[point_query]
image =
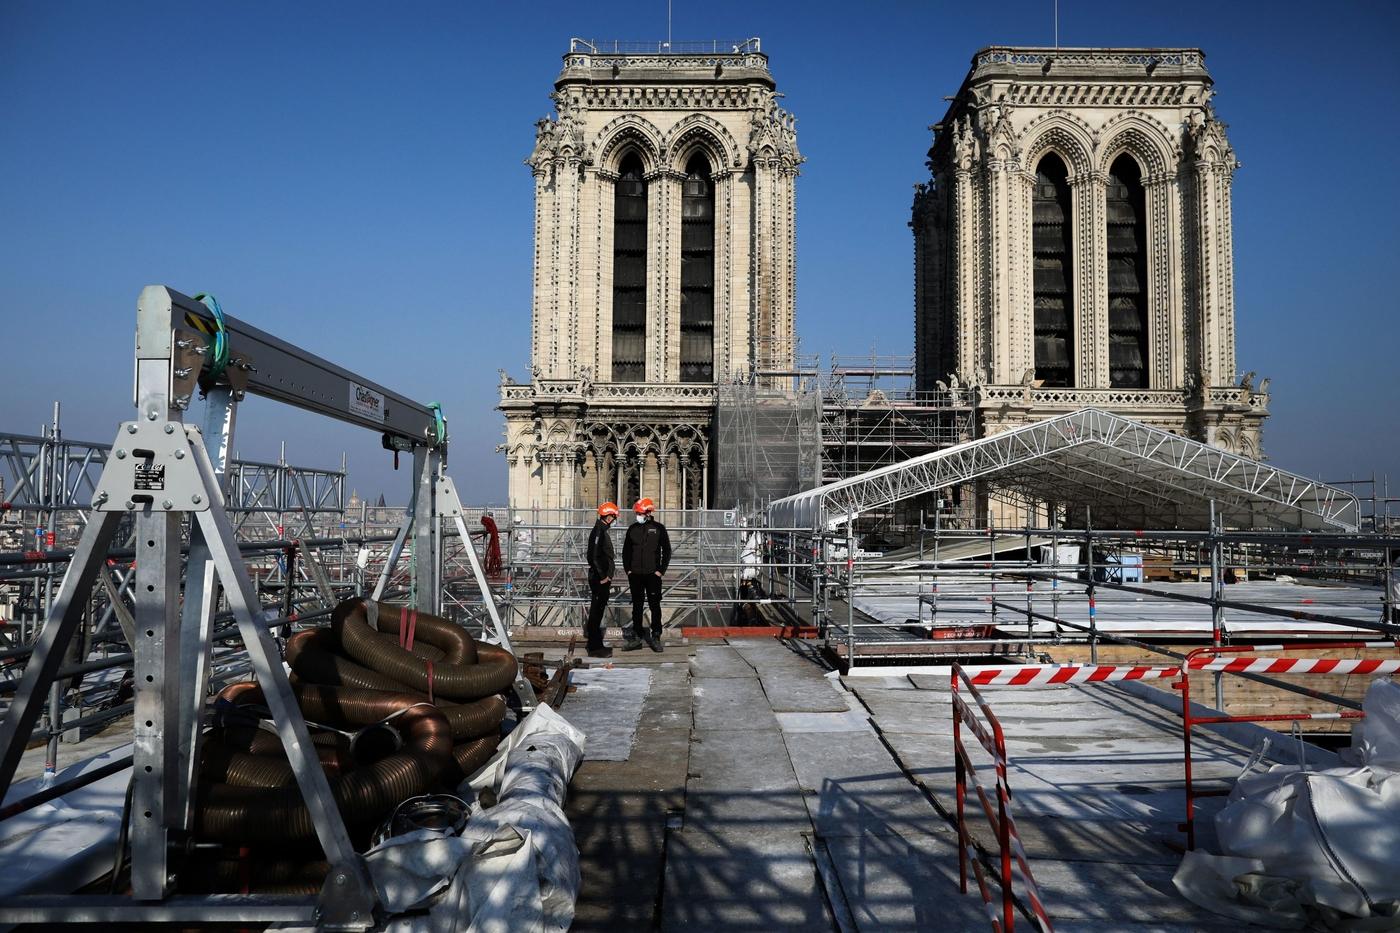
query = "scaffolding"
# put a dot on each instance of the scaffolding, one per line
(769, 444)
(873, 417)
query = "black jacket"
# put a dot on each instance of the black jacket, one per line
(601, 557)
(646, 548)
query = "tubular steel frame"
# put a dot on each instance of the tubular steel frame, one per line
(1133, 475)
(162, 470)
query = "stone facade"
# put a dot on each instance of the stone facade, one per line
(664, 264)
(1073, 246)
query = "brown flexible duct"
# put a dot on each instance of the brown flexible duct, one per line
(471, 755)
(456, 643)
(312, 658)
(222, 761)
(365, 795)
(495, 670)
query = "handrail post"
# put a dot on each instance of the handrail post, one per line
(1093, 617)
(1217, 612)
(961, 792)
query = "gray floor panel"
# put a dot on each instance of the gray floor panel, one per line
(732, 703)
(718, 661)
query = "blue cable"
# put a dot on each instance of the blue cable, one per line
(221, 352)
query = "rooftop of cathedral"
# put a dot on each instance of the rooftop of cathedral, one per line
(615, 60)
(1059, 63)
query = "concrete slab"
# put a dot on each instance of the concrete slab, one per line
(607, 706)
(735, 882)
(849, 721)
(732, 703)
(619, 811)
(854, 787)
(718, 661)
(794, 683)
(904, 882)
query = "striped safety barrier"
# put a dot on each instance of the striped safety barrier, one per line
(1032, 675)
(1011, 854)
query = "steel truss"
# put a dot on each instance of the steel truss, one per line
(1130, 474)
(160, 472)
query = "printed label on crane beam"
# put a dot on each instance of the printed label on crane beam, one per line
(366, 403)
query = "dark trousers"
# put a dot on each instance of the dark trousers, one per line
(646, 588)
(593, 628)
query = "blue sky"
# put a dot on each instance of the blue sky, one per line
(348, 176)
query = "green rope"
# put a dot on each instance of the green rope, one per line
(219, 351)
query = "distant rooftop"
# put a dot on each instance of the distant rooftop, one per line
(665, 47)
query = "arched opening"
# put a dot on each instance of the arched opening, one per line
(629, 305)
(1052, 245)
(1127, 276)
(697, 272)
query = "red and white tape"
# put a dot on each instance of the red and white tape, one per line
(1031, 675)
(1297, 665)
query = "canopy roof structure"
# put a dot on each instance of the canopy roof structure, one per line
(1130, 475)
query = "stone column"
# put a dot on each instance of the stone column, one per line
(541, 317)
(761, 285)
(597, 335)
(723, 328)
(1089, 205)
(1163, 282)
(964, 300)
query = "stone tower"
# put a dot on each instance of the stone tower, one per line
(1073, 247)
(663, 265)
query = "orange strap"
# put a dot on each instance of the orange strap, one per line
(430, 680)
(408, 622)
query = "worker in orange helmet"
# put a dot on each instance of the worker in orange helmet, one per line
(602, 566)
(646, 553)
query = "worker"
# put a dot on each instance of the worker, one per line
(601, 568)
(646, 553)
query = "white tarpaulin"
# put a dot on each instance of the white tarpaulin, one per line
(1313, 849)
(514, 868)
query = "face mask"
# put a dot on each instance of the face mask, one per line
(641, 518)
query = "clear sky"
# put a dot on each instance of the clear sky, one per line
(349, 176)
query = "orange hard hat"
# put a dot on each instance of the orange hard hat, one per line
(644, 505)
(608, 508)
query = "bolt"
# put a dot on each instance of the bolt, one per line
(196, 499)
(151, 416)
(354, 915)
(101, 498)
(131, 429)
(179, 455)
(130, 505)
(170, 429)
(340, 878)
(121, 453)
(167, 504)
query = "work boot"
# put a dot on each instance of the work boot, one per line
(631, 642)
(603, 651)
(654, 642)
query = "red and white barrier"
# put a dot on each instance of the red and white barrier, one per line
(1031, 675)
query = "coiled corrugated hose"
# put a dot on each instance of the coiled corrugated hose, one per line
(234, 813)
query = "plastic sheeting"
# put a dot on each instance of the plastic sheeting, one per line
(514, 868)
(1312, 849)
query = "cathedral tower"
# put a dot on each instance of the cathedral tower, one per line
(1073, 247)
(663, 265)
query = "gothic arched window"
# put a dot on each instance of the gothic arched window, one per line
(1054, 275)
(1127, 276)
(629, 306)
(697, 272)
